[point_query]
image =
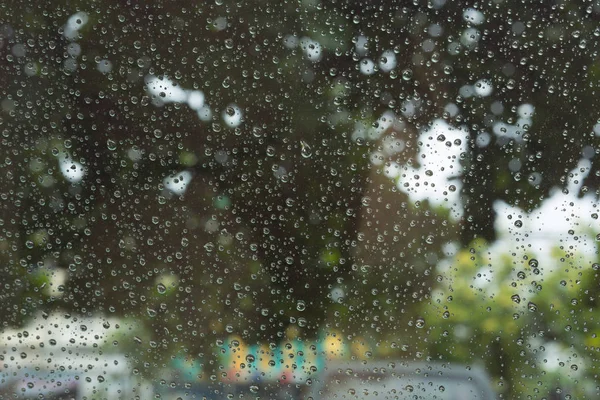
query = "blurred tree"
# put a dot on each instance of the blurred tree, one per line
(244, 204)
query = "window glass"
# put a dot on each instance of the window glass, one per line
(299, 199)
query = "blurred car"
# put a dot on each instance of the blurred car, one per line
(401, 380)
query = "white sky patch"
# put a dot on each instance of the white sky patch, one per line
(166, 90)
(470, 37)
(516, 131)
(178, 183)
(392, 170)
(134, 154)
(195, 99)
(483, 87)
(377, 158)
(436, 178)
(383, 123)
(361, 45)
(71, 170)
(74, 49)
(525, 110)
(312, 49)
(104, 66)
(220, 23)
(392, 145)
(290, 41)
(466, 91)
(549, 225)
(74, 24)
(409, 108)
(502, 129)
(562, 219)
(205, 113)
(387, 61)
(360, 131)
(367, 66)
(473, 16)
(232, 116)
(597, 129)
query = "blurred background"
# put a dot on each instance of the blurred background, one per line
(225, 196)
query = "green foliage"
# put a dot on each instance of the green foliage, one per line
(530, 323)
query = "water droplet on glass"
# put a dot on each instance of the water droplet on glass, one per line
(420, 323)
(306, 151)
(515, 298)
(162, 289)
(300, 305)
(111, 144)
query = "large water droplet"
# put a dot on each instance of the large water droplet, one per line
(305, 149)
(162, 289)
(300, 305)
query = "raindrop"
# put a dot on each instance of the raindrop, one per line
(162, 289)
(420, 323)
(300, 305)
(306, 151)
